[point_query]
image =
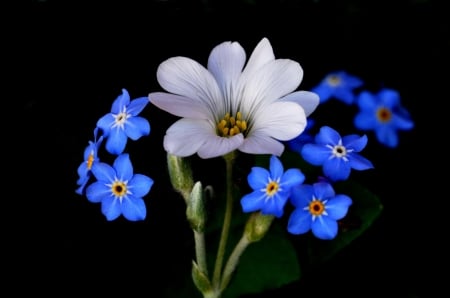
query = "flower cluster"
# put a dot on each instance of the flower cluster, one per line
(238, 106)
(117, 188)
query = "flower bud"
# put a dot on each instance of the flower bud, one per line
(257, 226)
(195, 211)
(180, 174)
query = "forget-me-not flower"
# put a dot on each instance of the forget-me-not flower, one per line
(383, 113)
(90, 157)
(123, 122)
(227, 106)
(317, 208)
(338, 155)
(339, 85)
(119, 190)
(271, 189)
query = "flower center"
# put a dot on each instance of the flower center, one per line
(121, 118)
(90, 160)
(384, 114)
(272, 188)
(339, 151)
(230, 126)
(119, 189)
(316, 207)
(334, 80)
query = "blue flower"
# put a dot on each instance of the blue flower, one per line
(383, 114)
(317, 208)
(338, 84)
(90, 157)
(118, 190)
(305, 137)
(337, 155)
(271, 190)
(123, 122)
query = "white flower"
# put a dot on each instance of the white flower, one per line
(227, 107)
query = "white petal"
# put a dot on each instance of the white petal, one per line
(261, 55)
(308, 100)
(273, 81)
(217, 146)
(282, 120)
(226, 62)
(261, 144)
(186, 77)
(179, 105)
(186, 136)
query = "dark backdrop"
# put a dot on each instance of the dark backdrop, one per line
(70, 60)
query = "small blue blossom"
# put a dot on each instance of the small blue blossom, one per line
(123, 122)
(90, 157)
(338, 84)
(119, 190)
(317, 208)
(271, 189)
(383, 114)
(337, 155)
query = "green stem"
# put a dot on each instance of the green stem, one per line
(233, 261)
(200, 251)
(229, 159)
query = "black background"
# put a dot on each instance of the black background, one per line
(70, 59)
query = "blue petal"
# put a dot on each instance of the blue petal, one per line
(137, 127)
(336, 169)
(291, 178)
(111, 207)
(103, 172)
(401, 122)
(359, 162)
(324, 228)
(299, 222)
(123, 167)
(275, 204)
(355, 142)
(121, 101)
(253, 201)
(98, 192)
(315, 154)
(327, 136)
(301, 195)
(140, 185)
(258, 178)
(323, 190)
(345, 95)
(137, 105)
(366, 120)
(133, 208)
(387, 136)
(116, 142)
(367, 102)
(389, 98)
(105, 123)
(276, 167)
(337, 207)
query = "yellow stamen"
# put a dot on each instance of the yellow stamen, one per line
(119, 189)
(272, 188)
(230, 126)
(316, 207)
(90, 160)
